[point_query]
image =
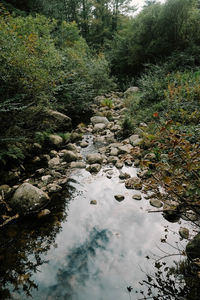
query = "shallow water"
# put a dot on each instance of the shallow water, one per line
(100, 249)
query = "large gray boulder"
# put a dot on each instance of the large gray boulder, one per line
(99, 119)
(60, 121)
(28, 199)
(130, 91)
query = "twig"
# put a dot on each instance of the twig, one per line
(9, 220)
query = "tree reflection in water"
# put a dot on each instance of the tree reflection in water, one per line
(76, 271)
(21, 247)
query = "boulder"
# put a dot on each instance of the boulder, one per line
(125, 149)
(71, 147)
(184, 232)
(99, 119)
(94, 168)
(124, 175)
(135, 140)
(99, 127)
(130, 91)
(193, 247)
(54, 162)
(113, 159)
(133, 183)
(94, 158)
(137, 197)
(119, 198)
(114, 151)
(70, 156)
(77, 164)
(156, 203)
(28, 199)
(46, 178)
(55, 140)
(84, 144)
(60, 121)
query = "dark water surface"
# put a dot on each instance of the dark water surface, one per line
(89, 252)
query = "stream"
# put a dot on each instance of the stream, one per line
(96, 250)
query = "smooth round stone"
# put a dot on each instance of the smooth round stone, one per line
(156, 203)
(137, 197)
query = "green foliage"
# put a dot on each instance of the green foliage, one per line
(156, 32)
(44, 63)
(107, 103)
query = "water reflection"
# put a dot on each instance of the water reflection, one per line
(99, 249)
(21, 247)
(76, 271)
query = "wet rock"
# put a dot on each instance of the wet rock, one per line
(75, 137)
(137, 197)
(46, 178)
(128, 162)
(70, 156)
(156, 203)
(99, 140)
(112, 159)
(125, 149)
(94, 168)
(54, 162)
(55, 140)
(53, 153)
(133, 183)
(124, 176)
(135, 140)
(115, 128)
(54, 188)
(184, 233)
(114, 151)
(77, 165)
(28, 198)
(94, 158)
(71, 147)
(99, 127)
(193, 247)
(84, 144)
(119, 198)
(119, 165)
(93, 202)
(99, 119)
(43, 213)
(130, 91)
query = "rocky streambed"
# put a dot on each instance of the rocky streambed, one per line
(88, 216)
